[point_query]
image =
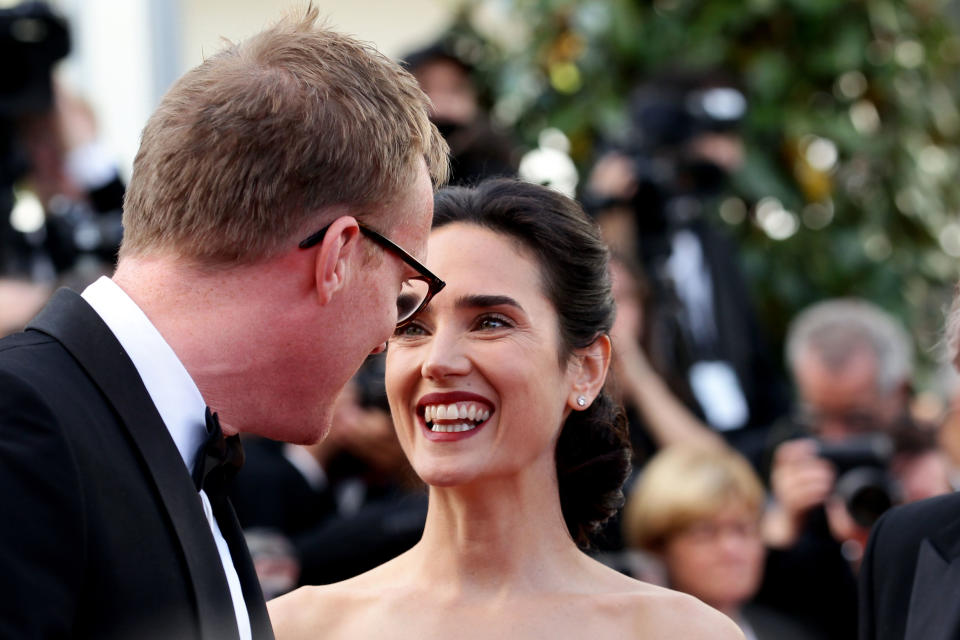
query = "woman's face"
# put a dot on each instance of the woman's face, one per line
(475, 384)
(719, 559)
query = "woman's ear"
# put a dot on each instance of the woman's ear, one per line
(591, 364)
(332, 262)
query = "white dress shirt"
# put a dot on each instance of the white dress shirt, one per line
(176, 397)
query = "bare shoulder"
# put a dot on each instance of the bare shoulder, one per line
(664, 613)
(645, 610)
(315, 612)
(304, 613)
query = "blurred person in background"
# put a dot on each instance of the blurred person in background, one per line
(254, 277)
(658, 418)
(698, 512)
(76, 195)
(478, 149)
(852, 450)
(60, 192)
(652, 193)
(910, 573)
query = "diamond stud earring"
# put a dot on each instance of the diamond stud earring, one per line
(581, 401)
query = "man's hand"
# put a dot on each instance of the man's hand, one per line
(800, 481)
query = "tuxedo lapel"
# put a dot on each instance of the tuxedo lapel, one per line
(252, 594)
(934, 613)
(69, 319)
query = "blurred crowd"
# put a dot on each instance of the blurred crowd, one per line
(752, 489)
(61, 192)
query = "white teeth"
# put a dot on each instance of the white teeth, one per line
(462, 411)
(452, 428)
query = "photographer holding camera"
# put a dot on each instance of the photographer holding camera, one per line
(652, 195)
(850, 453)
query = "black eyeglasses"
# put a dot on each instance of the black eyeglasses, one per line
(415, 293)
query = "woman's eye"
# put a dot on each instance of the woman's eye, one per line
(493, 322)
(412, 330)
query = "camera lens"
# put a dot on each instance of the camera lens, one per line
(867, 493)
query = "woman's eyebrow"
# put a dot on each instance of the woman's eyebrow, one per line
(483, 301)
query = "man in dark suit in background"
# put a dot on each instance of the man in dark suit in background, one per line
(227, 301)
(910, 575)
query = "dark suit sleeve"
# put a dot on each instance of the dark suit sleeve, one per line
(41, 527)
(866, 595)
(890, 562)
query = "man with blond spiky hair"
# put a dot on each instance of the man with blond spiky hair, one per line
(275, 228)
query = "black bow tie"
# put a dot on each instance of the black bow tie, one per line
(218, 459)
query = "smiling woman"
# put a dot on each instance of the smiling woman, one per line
(529, 267)
(496, 390)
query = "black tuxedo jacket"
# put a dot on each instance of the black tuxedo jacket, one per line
(102, 533)
(910, 577)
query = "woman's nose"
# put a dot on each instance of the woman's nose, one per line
(445, 357)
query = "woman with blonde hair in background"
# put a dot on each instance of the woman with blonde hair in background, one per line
(697, 510)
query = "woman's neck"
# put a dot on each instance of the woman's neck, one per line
(498, 535)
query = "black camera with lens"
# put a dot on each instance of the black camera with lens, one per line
(864, 482)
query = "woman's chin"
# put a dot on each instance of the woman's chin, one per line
(443, 476)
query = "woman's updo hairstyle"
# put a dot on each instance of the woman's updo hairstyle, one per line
(593, 451)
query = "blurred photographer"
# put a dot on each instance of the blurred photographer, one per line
(851, 452)
(852, 365)
(652, 195)
(478, 148)
(60, 193)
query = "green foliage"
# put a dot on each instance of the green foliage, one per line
(875, 81)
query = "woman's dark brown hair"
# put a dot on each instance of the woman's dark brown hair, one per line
(593, 451)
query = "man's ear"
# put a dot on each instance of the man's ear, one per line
(332, 263)
(590, 373)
